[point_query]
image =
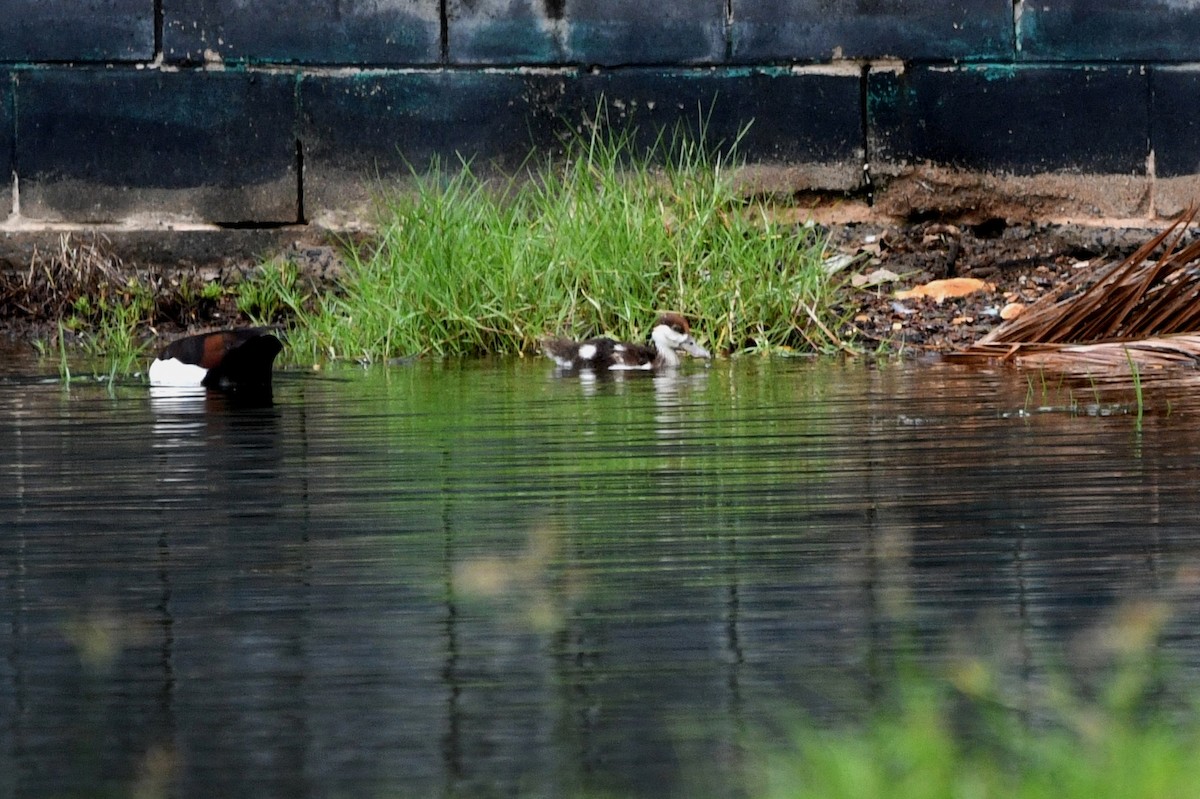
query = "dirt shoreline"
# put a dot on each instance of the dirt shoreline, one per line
(1017, 265)
(1017, 262)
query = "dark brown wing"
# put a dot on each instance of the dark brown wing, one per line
(208, 350)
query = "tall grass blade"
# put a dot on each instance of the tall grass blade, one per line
(592, 242)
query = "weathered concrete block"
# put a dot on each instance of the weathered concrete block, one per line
(217, 251)
(356, 129)
(974, 196)
(77, 30)
(636, 32)
(1175, 137)
(604, 32)
(1175, 121)
(360, 129)
(1107, 30)
(808, 30)
(505, 32)
(7, 120)
(359, 32)
(1025, 120)
(97, 145)
(807, 121)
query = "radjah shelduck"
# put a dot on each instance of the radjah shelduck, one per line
(670, 336)
(238, 360)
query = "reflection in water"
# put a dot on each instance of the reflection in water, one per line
(486, 579)
(179, 414)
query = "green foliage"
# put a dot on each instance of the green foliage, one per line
(918, 754)
(594, 242)
(966, 736)
(1136, 376)
(273, 293)
(107, 327)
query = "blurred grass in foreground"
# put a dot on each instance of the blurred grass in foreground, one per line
(1126, 732)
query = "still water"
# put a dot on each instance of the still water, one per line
(483, 579)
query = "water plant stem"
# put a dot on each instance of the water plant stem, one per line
(1136, 376)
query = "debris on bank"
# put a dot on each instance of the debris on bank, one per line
(75, 281)
(975, 291)
(1142, 313)
(937, 287)
(918, 287)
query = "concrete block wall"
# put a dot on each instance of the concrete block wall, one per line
(283, 112)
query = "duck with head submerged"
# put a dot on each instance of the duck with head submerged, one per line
(670, 335)
(235, 361)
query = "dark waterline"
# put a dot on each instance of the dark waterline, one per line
(484, 580)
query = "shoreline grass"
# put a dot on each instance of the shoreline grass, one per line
(592, 243)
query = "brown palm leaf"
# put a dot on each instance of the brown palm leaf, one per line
(1115, 358)
(1139, 311)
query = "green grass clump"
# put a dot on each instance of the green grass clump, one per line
(590, 243)
(918, 754)
(108, 326)
(274, 293)
(1129, 731)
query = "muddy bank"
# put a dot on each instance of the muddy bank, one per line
(180, 280)
(1017, 263)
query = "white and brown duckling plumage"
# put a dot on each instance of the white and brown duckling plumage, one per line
(670, 335)
(229, 360)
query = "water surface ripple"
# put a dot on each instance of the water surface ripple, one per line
(486, 580)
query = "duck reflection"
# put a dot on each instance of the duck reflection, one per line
(180, 411)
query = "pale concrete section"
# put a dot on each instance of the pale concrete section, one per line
(1173, 196)
(349, 199)
(972, 196)
(218, 250)
(797, 178)
(607, 32)
(51, 201)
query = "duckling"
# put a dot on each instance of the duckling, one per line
(671, 334)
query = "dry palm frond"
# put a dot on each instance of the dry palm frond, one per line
(1140, 311)
(1114, 357)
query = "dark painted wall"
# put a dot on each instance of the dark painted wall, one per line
(282, 110)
